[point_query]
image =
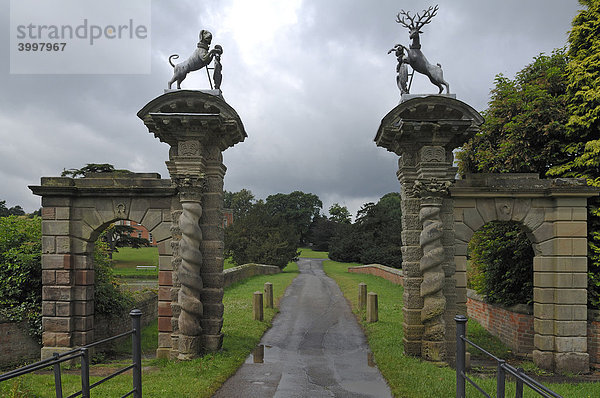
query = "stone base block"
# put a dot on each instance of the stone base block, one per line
(562, 362)
(544, 359)
(163, 352)
(190, 347)
(212, 342)
(412, 347)
(572, 362)
(433, 351)
(47, 352)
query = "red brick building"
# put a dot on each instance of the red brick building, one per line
(140, 231)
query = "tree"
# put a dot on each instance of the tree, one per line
(525, 123)
(239, 202)
(583, 79)
(13, 211)
(261, 237)
(339, 214)
(375, 237)
(297, 209)
(321, 231)
(577, 121)
(89, 168)
(120, 236)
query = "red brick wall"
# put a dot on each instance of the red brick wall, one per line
(512, 328)
(391, 274)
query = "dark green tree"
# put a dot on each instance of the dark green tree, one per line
(13, 211)
(239, 202)
(375, 236)
(339, 214)
(120, 236)
(89, 168)
(298, 209)
(525, 123)
(321, 231)
(583, 88)
(261, 237)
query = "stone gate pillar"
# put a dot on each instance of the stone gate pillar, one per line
(424, 131)
(198, 126)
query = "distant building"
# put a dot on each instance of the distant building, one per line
(140, 231)
(227, 217)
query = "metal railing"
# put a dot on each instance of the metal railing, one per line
(84, 354)
(502, 369)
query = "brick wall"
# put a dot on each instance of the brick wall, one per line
(513, 326)
(391, 274)
(16, 346)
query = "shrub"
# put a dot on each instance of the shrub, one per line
(108, 298)
(501, 259)
(21, 274)
(21, 270)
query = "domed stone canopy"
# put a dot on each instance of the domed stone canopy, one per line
(191, 114)
(434, 119)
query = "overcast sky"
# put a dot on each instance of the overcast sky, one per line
(310, 79)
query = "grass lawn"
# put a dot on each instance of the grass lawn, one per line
(127, 259)
(310, 253)
(197, 378)
(408, 376)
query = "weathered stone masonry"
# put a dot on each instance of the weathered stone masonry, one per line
(440, 216)
(198, 126)
(424, 132)
(183, 214)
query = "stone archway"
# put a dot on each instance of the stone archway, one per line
(184, 214)
(440, 214)
(75, 211)
(554, 214)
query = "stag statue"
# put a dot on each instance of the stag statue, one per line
(414, 57)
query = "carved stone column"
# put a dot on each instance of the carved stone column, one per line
(424, 131)
(198, 126)
(212, 249)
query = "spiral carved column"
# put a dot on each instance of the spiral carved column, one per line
(190, 329)
(434, 301)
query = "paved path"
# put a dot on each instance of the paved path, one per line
(314, 349)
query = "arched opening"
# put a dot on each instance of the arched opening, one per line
(500, 283)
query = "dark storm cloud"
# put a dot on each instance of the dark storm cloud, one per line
(310, 79)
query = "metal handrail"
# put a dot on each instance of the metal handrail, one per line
(502, 369)
(83, 353)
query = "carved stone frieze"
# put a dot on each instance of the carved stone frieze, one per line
(433, 154)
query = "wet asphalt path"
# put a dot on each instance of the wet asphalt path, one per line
(314, 349)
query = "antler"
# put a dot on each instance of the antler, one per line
(422, 20)
(426, 17)
(403, 20)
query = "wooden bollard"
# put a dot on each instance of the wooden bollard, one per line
(268, 295)
(257, 307)
(372, 308)
(362, 295)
